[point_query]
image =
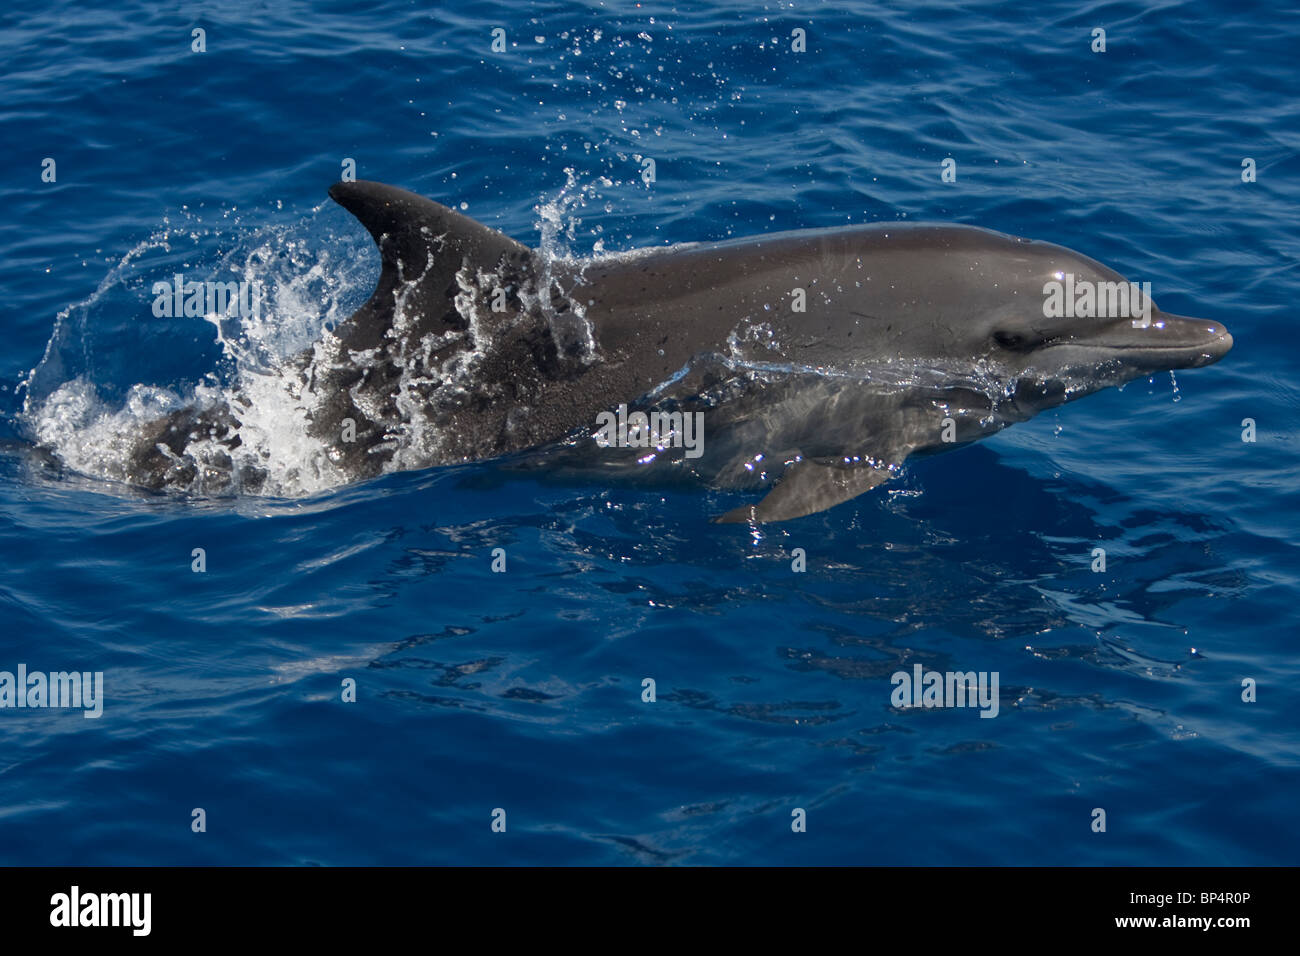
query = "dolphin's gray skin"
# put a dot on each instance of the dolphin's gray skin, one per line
(915, 338)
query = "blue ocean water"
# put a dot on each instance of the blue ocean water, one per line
(522, 691)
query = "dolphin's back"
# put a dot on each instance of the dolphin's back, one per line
(826, 297)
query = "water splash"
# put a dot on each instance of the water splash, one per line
(76, 402)
(70, 401)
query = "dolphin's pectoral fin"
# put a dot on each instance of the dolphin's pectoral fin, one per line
(807, 488)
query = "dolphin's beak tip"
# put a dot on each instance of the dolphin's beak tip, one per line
(1219, 345)
(1222, 346)
(1204, 340)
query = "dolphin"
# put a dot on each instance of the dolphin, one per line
(817, 360)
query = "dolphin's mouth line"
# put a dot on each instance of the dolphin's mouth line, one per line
(1157, 349)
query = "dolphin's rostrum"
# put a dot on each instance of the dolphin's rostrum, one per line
(819, 360)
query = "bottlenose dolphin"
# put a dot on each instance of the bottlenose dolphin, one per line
(819, 360)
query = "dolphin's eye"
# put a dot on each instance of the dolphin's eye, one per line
(1012, 341)
(1022, 341)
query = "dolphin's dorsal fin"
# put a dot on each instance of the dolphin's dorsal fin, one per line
(423, 245)
(806, 488)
